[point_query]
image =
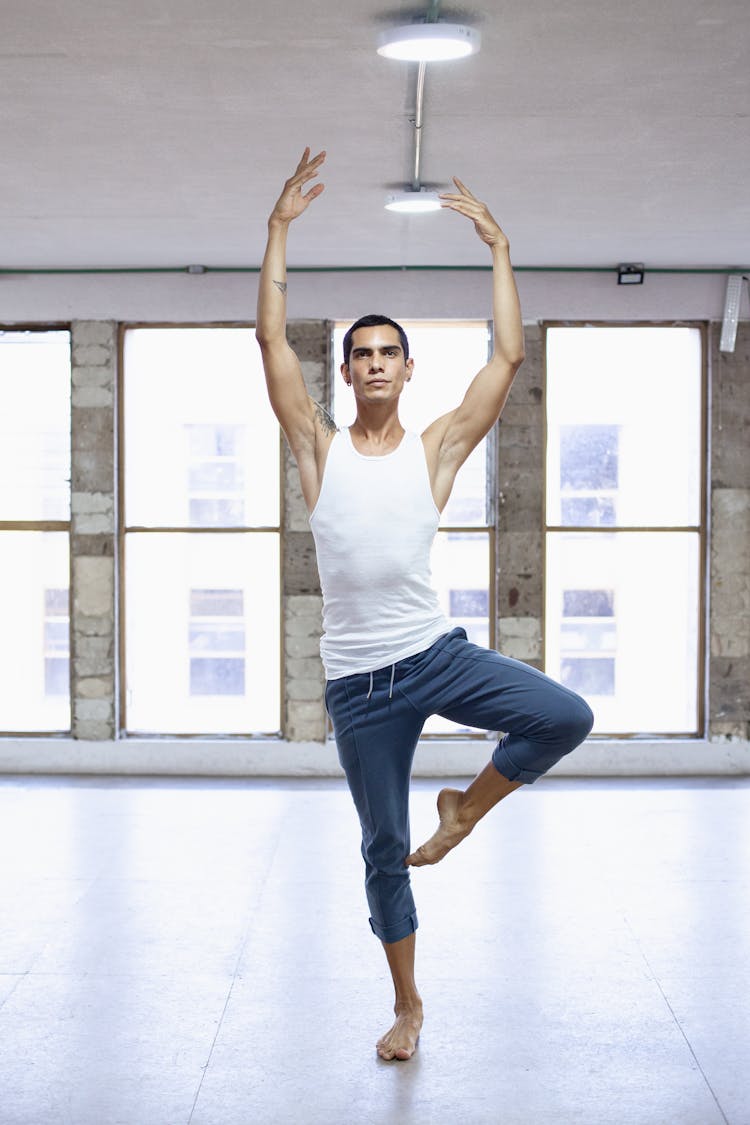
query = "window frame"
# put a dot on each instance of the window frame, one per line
(51, 525)
(124, 529)
(700, 528)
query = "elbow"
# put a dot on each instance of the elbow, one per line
(517, 353)
(265, 338)
(511, 359)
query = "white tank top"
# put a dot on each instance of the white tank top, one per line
(373, 525)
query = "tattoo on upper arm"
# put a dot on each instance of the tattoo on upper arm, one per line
(281, 286)
(325, 419)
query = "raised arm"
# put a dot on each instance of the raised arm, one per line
(456, 434)
(295, 410)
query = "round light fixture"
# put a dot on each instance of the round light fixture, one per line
(429, 42)
(413, 202)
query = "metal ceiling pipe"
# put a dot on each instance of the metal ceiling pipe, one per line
(416, 181)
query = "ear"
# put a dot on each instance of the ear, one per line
(409, 365)
(345, 373)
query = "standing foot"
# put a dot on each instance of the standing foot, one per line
(400, 1042)
(451, 830)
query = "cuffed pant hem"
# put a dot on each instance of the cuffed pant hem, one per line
(397, 931)
(510, 770)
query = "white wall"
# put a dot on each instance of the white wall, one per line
(420, 294)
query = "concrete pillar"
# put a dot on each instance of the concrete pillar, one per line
(304, 715)
(520, 484)
(92, 627)
(729, 620)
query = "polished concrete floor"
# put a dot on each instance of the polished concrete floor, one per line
(197, 953)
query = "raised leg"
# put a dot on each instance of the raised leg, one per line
(459, 811)
(543, 721)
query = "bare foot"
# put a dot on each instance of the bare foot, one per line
(401, 1041)
(451, 830)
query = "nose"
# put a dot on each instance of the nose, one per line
(375, 364)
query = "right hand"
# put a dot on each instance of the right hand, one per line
(291, 203)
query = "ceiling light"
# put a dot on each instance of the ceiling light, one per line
(413, 202)
(732, 302)
(429, 42)
(630, 273)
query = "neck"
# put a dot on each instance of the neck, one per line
(377, 426)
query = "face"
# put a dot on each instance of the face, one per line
(376, 369)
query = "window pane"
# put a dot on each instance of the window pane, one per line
(202, 633)
(199, 431)
(623, 418)
(447, 355)
(461, 576)
(34, 425)
(622, 627)
(34, 641)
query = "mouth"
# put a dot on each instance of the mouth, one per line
(377, 383)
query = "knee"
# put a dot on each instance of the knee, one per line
(576, 721)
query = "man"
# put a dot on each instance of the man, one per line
(375, 494)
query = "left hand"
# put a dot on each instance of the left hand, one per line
(467, 204)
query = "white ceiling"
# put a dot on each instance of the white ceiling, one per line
(158, 132)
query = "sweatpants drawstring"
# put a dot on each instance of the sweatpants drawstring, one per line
(372, 682)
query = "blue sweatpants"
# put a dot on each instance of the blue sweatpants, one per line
(377, 720)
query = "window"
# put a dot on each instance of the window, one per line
(201, 534)
(35, 382)
(625, 524)
(447, 355)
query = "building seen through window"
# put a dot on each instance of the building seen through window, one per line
(56, 642)
(216, 478)
(588, 642)
(588, 475)
(216, 642)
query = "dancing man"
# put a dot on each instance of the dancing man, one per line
(375, 493)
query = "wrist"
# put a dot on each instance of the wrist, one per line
(277, 224)
(500, 247)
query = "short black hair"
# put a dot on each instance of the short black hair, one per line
(371, 321)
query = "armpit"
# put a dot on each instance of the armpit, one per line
(324, 418)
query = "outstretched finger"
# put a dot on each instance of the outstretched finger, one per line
(463, 188)
(464, 199)
(303, 158)
(306, 162)
(314, 192)
(470, 208)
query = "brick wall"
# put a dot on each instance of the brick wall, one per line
(729, 618)
(304, 717)
(92, 626)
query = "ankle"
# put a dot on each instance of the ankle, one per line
(467, 815)
(408, 1005)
